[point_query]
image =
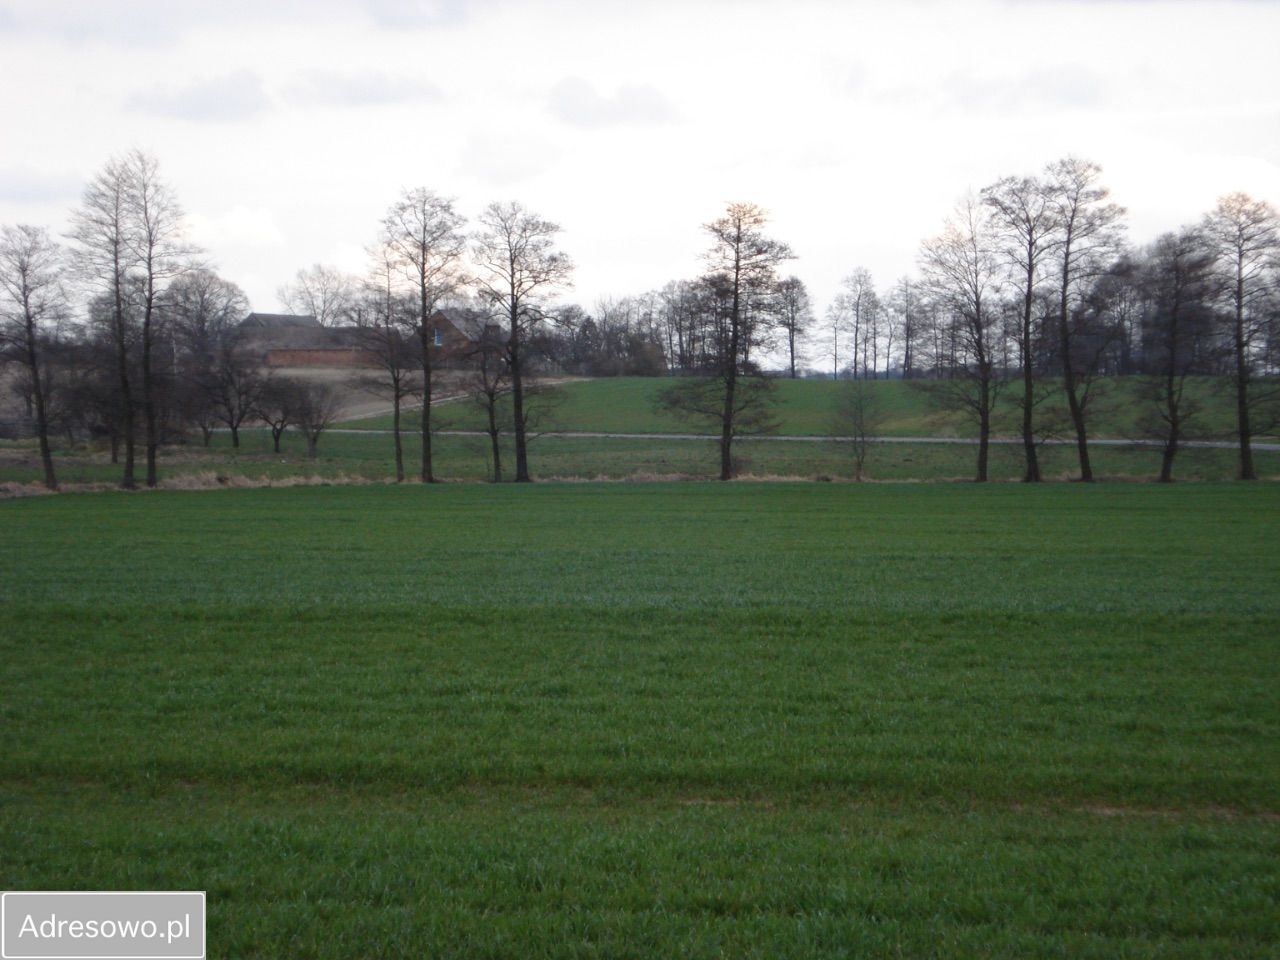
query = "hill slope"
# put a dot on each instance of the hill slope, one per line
(807, 408)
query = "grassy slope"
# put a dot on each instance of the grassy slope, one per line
(627, 405)
(369, 456)
(654, 720)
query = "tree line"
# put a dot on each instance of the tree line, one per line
(123, 330)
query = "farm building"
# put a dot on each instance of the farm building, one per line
(296, 340)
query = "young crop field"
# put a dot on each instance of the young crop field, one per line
(641, 720)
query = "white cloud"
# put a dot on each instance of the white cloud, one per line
(233, 96)
(361, 89)
(22, 185)
(240, 225)
(502, 161)
(576, 102)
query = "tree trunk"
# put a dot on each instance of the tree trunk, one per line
(128, 481)
(726, 428)
(517, 398)
(37, 397)
(395, 430)
(1032, 474)
(493, 440)
(427, 473)
(1247, 471)
(42, 426)
(1068, 369)
(275, 438)
(235, 437)
(984, 428)
(1170, 451)
(148, 398)
(311, 446)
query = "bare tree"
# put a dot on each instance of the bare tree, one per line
(202, 311)
(316, 407)
(321, 292)
(105, 251)
(859, 417)
(487, 382)
(852, 310)
(1179, 286)
(161, 253)
(423, 234)
(382, 317)
(962, 268)
(837, 321)
(32, 301)
(1025, 221)
(276, 406)
(519, 268)
(743, 262)
(233, 387)
(904, 302)
(1245, 234)
(795, 315)
(1090, 235)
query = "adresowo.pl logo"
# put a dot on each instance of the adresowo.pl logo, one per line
(83, 925)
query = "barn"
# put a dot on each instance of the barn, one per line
(299, 340)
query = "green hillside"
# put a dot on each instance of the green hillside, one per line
(806, 408)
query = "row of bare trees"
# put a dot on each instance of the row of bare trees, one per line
(125, 332)
(503, 275)
(1031, 283)
(1030, 290)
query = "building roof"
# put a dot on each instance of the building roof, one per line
(470, 323)
(277, 321)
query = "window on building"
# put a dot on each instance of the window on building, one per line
(439, 337)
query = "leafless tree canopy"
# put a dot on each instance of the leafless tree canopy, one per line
(742, 262)
(32, 303)
(518, 270)
(322, 292)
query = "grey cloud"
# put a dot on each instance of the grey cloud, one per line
(153, 22)
(21, 185)
(234, 96)
(1062, 87)
(503, 161)
(1055, 87)
(576, 102)
(418, 13)
(361, 89)
(144, 22)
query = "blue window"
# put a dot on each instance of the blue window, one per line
(439, 337)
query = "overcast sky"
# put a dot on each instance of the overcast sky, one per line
(287, 128)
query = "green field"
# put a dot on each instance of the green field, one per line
(782, 720)
(806, 408)
(368, 456)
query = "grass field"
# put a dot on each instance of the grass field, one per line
(369, 456)
(641, 720)
(806, 408)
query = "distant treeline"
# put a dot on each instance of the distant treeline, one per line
(127, 333)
